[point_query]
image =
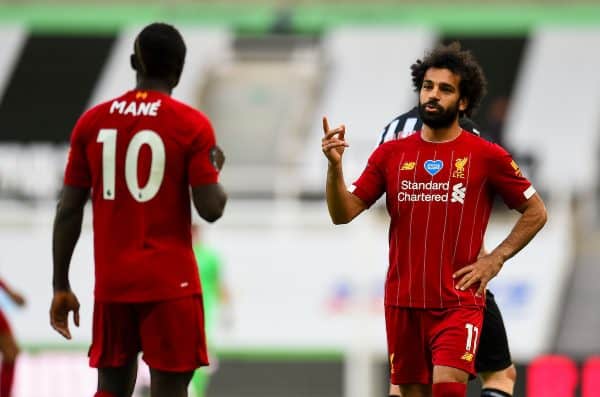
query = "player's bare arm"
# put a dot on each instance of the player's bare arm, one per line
(209, 201)
(482, 251)
(16, 297)
(343, 206)
(67, 228)
(532, 219)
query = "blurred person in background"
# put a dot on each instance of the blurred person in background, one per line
(439, 185)
(139, 154)
(8, 345)
(214, 294)
(493, 362)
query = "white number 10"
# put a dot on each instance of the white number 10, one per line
(108, 138)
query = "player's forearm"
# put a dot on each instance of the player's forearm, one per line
(529, 224)
(342, 204)
(209, 201)
(67, 228)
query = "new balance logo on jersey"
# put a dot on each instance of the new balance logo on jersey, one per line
(408, 166)
(467, 357)
(458, 193)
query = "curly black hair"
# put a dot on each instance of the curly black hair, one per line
(472, 84)
(159, 52)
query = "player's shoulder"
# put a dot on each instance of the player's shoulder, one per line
(90, 118)
(188, 110)
(190, 116)
(103, 109)
(485, 147)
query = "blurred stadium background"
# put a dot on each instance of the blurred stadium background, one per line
(306, 315)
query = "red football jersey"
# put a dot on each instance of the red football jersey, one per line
(140, 153)
(439, 197)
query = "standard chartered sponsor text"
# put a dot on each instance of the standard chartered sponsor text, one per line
(410, 185)
(437, 191)
(404, 196)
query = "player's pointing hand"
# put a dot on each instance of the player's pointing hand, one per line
(62, 303)
(333, 143)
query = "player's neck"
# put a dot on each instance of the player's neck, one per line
(153, 85)
(438, 135)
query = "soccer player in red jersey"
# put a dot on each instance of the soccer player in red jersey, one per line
(139, 154)
(439, 186)
(493, 361)
(8, 345)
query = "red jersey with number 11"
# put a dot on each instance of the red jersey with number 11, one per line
(139, 153)
(439, 197)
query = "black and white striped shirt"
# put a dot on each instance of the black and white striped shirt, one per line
(408, 123)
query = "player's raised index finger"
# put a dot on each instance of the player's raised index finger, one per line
(325, 124)
(338, 130)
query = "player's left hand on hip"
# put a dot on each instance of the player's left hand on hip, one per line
(481, 271)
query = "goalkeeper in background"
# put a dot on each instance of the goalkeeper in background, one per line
(214, 294)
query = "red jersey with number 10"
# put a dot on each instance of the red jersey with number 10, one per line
(139, 154)
(439, 197)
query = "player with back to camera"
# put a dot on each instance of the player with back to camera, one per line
(139, 154)
(493, 362)
(440, 185)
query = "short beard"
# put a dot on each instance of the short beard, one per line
(443, 119)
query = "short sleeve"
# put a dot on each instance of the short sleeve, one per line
(77, 171)
(371, 183)
(507, 179)
(202, 168)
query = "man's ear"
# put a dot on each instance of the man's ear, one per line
(463, 103)
(134, 62)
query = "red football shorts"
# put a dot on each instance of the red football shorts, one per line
(4, 325)
(169, 333)
(419, 339)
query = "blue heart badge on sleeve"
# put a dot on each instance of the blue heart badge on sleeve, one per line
(433, 166)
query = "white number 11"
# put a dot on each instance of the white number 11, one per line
(471, 342)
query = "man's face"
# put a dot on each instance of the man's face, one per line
(439, 98)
